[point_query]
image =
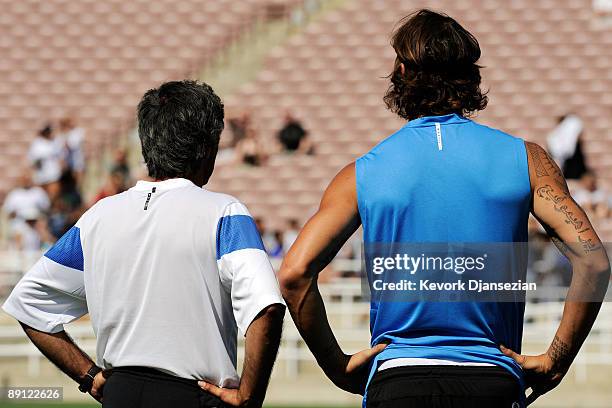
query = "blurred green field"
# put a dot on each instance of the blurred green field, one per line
(44, 405)
(81, 405)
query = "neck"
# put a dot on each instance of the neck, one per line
(194, 179)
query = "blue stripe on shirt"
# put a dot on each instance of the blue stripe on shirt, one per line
(67, 250)
(235, 232)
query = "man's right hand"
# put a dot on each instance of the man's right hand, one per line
(230, 396)
(353, 370)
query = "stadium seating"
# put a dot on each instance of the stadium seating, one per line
(542, 59)
(94, 59)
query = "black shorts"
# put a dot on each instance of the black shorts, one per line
(139, 387)
(443, 387)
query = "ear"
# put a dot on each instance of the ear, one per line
(402, 68)
(209, 162)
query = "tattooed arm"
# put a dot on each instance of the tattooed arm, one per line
(571, 231)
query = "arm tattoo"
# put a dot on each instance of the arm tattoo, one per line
(588, 245)
(560, 354)
(535, 156)
(547, 192)
(570, 218)
(562, 246)
(545, 166)
(580, 225)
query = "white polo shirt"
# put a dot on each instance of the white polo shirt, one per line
(22, 200)
(167, 271)
(46, 156)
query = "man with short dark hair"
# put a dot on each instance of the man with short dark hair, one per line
(168, 272)
(444, 179)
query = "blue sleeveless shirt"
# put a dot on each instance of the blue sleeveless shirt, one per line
(444, 179)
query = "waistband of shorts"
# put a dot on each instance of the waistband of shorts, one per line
(445, 371)
(154, 374)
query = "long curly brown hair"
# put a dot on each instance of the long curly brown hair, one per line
(440, 74)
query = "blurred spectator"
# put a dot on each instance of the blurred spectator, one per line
(46, 157)
(276, 249)
(69, 192)
(239, 127)
(291, 234)
(250, 150)
(24, 230)
(25, 197)
(114, 185)
(67, 208)
(268, 238)
(293, 137)
(565, 146)
(120, 165)
(591, 197)
(72, 138)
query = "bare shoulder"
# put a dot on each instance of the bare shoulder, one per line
(342, 186)
(347, 173)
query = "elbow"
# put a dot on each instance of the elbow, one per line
(596, 277)
(605, 270)
(275, 311)
(292, 276)
(600, 265)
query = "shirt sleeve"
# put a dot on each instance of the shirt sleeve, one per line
(244, 267)
(9, 203)
(52, 292)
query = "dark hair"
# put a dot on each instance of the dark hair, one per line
(441, 75)
(177, 123)
(46, 131)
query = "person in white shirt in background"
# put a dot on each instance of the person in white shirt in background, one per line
(565, 146)
(25, 196)
(25, 207)
(72, 139)
(25, 231)
(563, 138)
(46, 156)
(591, 197)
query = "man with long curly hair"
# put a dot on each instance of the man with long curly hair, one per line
(445, 179)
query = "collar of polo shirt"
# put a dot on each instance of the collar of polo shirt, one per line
(168, 184)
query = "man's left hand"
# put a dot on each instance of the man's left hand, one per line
(541, 374)
(352, 373)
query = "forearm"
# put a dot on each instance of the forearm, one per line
(262, 343)
(308, 312)
(591, 274)
(578, 318)
(61, 351)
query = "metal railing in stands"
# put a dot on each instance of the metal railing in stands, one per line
(348, 313)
